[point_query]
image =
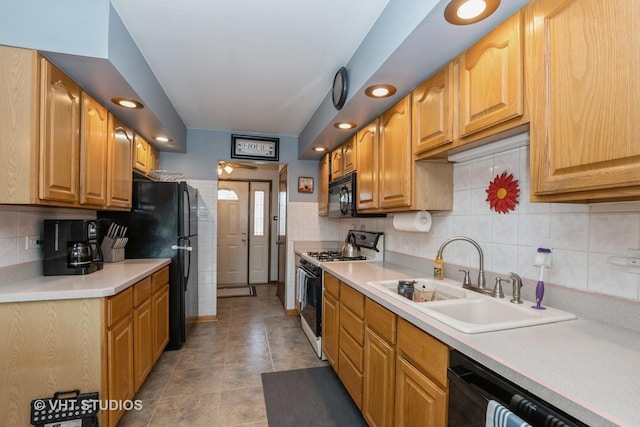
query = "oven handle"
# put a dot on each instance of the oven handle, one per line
(307, 273)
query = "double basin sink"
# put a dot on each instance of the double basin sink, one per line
(471, 312)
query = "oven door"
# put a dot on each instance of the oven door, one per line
(311, 303)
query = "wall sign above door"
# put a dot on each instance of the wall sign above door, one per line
(254, 147)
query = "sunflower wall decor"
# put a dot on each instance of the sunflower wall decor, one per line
(503, 193)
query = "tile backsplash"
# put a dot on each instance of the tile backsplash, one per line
(583, 238)
(19, 222)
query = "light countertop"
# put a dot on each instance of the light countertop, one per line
(113, 278)
(586, 368)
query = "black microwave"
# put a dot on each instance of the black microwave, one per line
(343, 198)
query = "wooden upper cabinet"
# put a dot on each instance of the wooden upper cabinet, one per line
(491, 79)
(349, 155)
(396, 165)
(154, 159)
(94, 135)
(59, 136)
(141, 150)
(119, 164)
(367, 177)
(582, 72)
(323, 186)
(432, 122)
(336, 164)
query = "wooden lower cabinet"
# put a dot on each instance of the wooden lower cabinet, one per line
(395, 372)
(351, 342)
(379, 380)
(143, 331)
(331, 319)
(419, 401)
(159, 312)
(421, 378)
(379, 364)
(120, 366)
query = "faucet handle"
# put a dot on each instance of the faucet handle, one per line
(467, 279)
(497, 289)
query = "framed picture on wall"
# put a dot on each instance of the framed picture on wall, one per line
(305, 184)
(254, 147)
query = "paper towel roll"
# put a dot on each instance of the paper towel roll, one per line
(412, 221)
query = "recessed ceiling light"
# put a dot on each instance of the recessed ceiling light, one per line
(380, 91)
(127, 103)
(161, 138)
(465, 12)
(344, 125)
(320, 149)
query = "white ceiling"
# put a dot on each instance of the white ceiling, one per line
(259, 66)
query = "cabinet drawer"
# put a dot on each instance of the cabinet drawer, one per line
(425, 352)
(352, 324)
(332, 285)
(119, 306)
(381, 321)
(141, 291)
(351, 349)
(159, 278)
(352, 299)
(351, 379)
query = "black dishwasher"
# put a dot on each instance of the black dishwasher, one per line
(472, 385)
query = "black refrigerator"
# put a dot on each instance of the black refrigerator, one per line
(163, 223)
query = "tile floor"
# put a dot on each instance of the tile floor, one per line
(214, 380)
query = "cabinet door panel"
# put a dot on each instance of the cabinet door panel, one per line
(93, 152)
(432, 114)
(367, 176)
(379, 380)
(119, 164)
(143, 343)
(141, 154)
(120, 365)
(396, 165)
(160, 319)
(585, 99)
(59, 135)
(323, 186)
(419, 401)
(336, 163)
(491, 79)
(330, 329)
(349, 155)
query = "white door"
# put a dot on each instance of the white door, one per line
(243, 232)
(233, 226)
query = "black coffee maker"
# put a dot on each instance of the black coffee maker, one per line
(71, 247)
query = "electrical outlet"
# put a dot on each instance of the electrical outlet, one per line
(31, 242)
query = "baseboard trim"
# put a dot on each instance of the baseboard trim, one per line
(210, 318)
(291, 312)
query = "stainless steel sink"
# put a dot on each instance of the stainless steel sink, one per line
(470, 312)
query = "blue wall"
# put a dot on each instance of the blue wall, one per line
(206, 147)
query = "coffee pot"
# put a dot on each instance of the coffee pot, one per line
(79, 254)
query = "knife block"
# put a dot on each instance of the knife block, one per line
(113, 249)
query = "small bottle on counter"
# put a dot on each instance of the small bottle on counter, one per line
(438, 268)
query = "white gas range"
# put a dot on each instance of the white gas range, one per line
(309, 286)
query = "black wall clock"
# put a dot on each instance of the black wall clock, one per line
(340, 86)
